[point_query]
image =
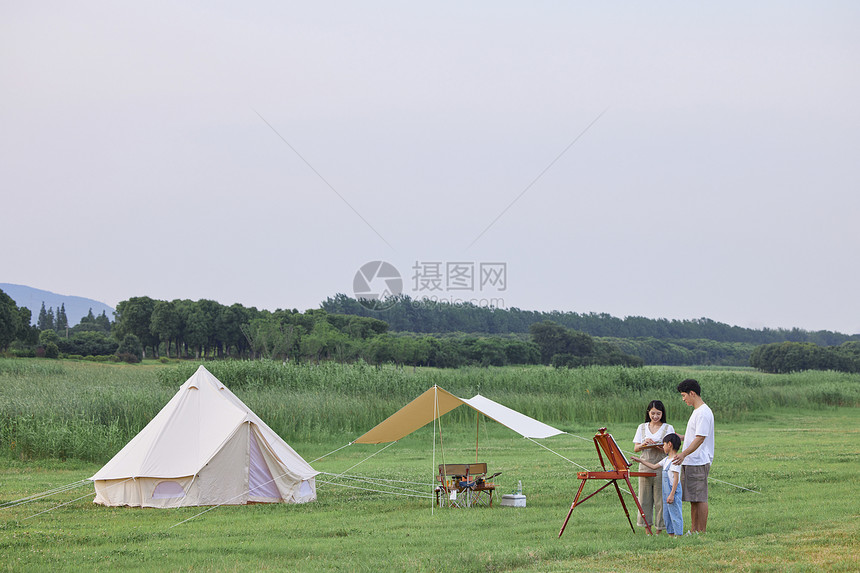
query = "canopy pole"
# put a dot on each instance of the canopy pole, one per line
(436, 416)
(477, 432)
(432, 503)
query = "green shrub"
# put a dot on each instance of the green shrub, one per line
(130, 345)
(52, 350)
(21, 352)
(84, 343)
(128, 357)
(47, 336)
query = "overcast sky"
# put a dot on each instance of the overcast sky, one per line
(645, 158)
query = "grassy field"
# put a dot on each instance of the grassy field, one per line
(789, 443)
(88, 411)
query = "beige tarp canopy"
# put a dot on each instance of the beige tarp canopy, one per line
(435, 402)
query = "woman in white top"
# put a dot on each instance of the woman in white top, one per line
(649, 441)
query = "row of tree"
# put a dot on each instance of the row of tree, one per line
(403, 313)
(787, 357)
(564, 347)
(47, 321)
(684, 352)
(185, 328)
(90, 336)
(60, 323)
(208, 329)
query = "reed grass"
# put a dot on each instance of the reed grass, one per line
(88, 411)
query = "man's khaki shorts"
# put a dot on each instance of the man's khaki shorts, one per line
(694, 482)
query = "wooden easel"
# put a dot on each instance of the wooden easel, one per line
(619, 462)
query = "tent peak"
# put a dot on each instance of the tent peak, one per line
(202, 375)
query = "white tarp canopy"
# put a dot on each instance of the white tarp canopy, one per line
(435, 402)
(205, 447)
(520, 423)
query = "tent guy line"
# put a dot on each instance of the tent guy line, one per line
(226, 502)
(558, 454)
(733, 485)
(380, 481)
(196, 515)
(208, 509)
(44, 494)
(709, 477)
(325, 482)
(57, 506)
(394, 489)
(283, 475)
(331, 452)
(356, 476)
(424, 496)
(367, 458)
(52, 492)
(55, 491)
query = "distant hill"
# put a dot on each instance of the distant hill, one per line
(77, 307)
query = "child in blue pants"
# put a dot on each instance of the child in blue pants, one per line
(671, 485)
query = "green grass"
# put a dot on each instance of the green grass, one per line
(84, 410)
(805, 518)
(792, 438)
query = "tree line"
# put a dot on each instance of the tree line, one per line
(785, 357)
(207, 329)
(680, 352)
(403, 313)
(564, 347)
(60, 323)
(52, 335)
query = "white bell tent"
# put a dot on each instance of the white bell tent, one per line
(205, 447)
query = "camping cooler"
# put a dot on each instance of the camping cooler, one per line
(513, 500)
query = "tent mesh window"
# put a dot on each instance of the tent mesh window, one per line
(167, 489)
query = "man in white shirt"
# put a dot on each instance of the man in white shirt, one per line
(697, 454)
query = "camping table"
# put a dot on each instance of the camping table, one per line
(459, 487)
